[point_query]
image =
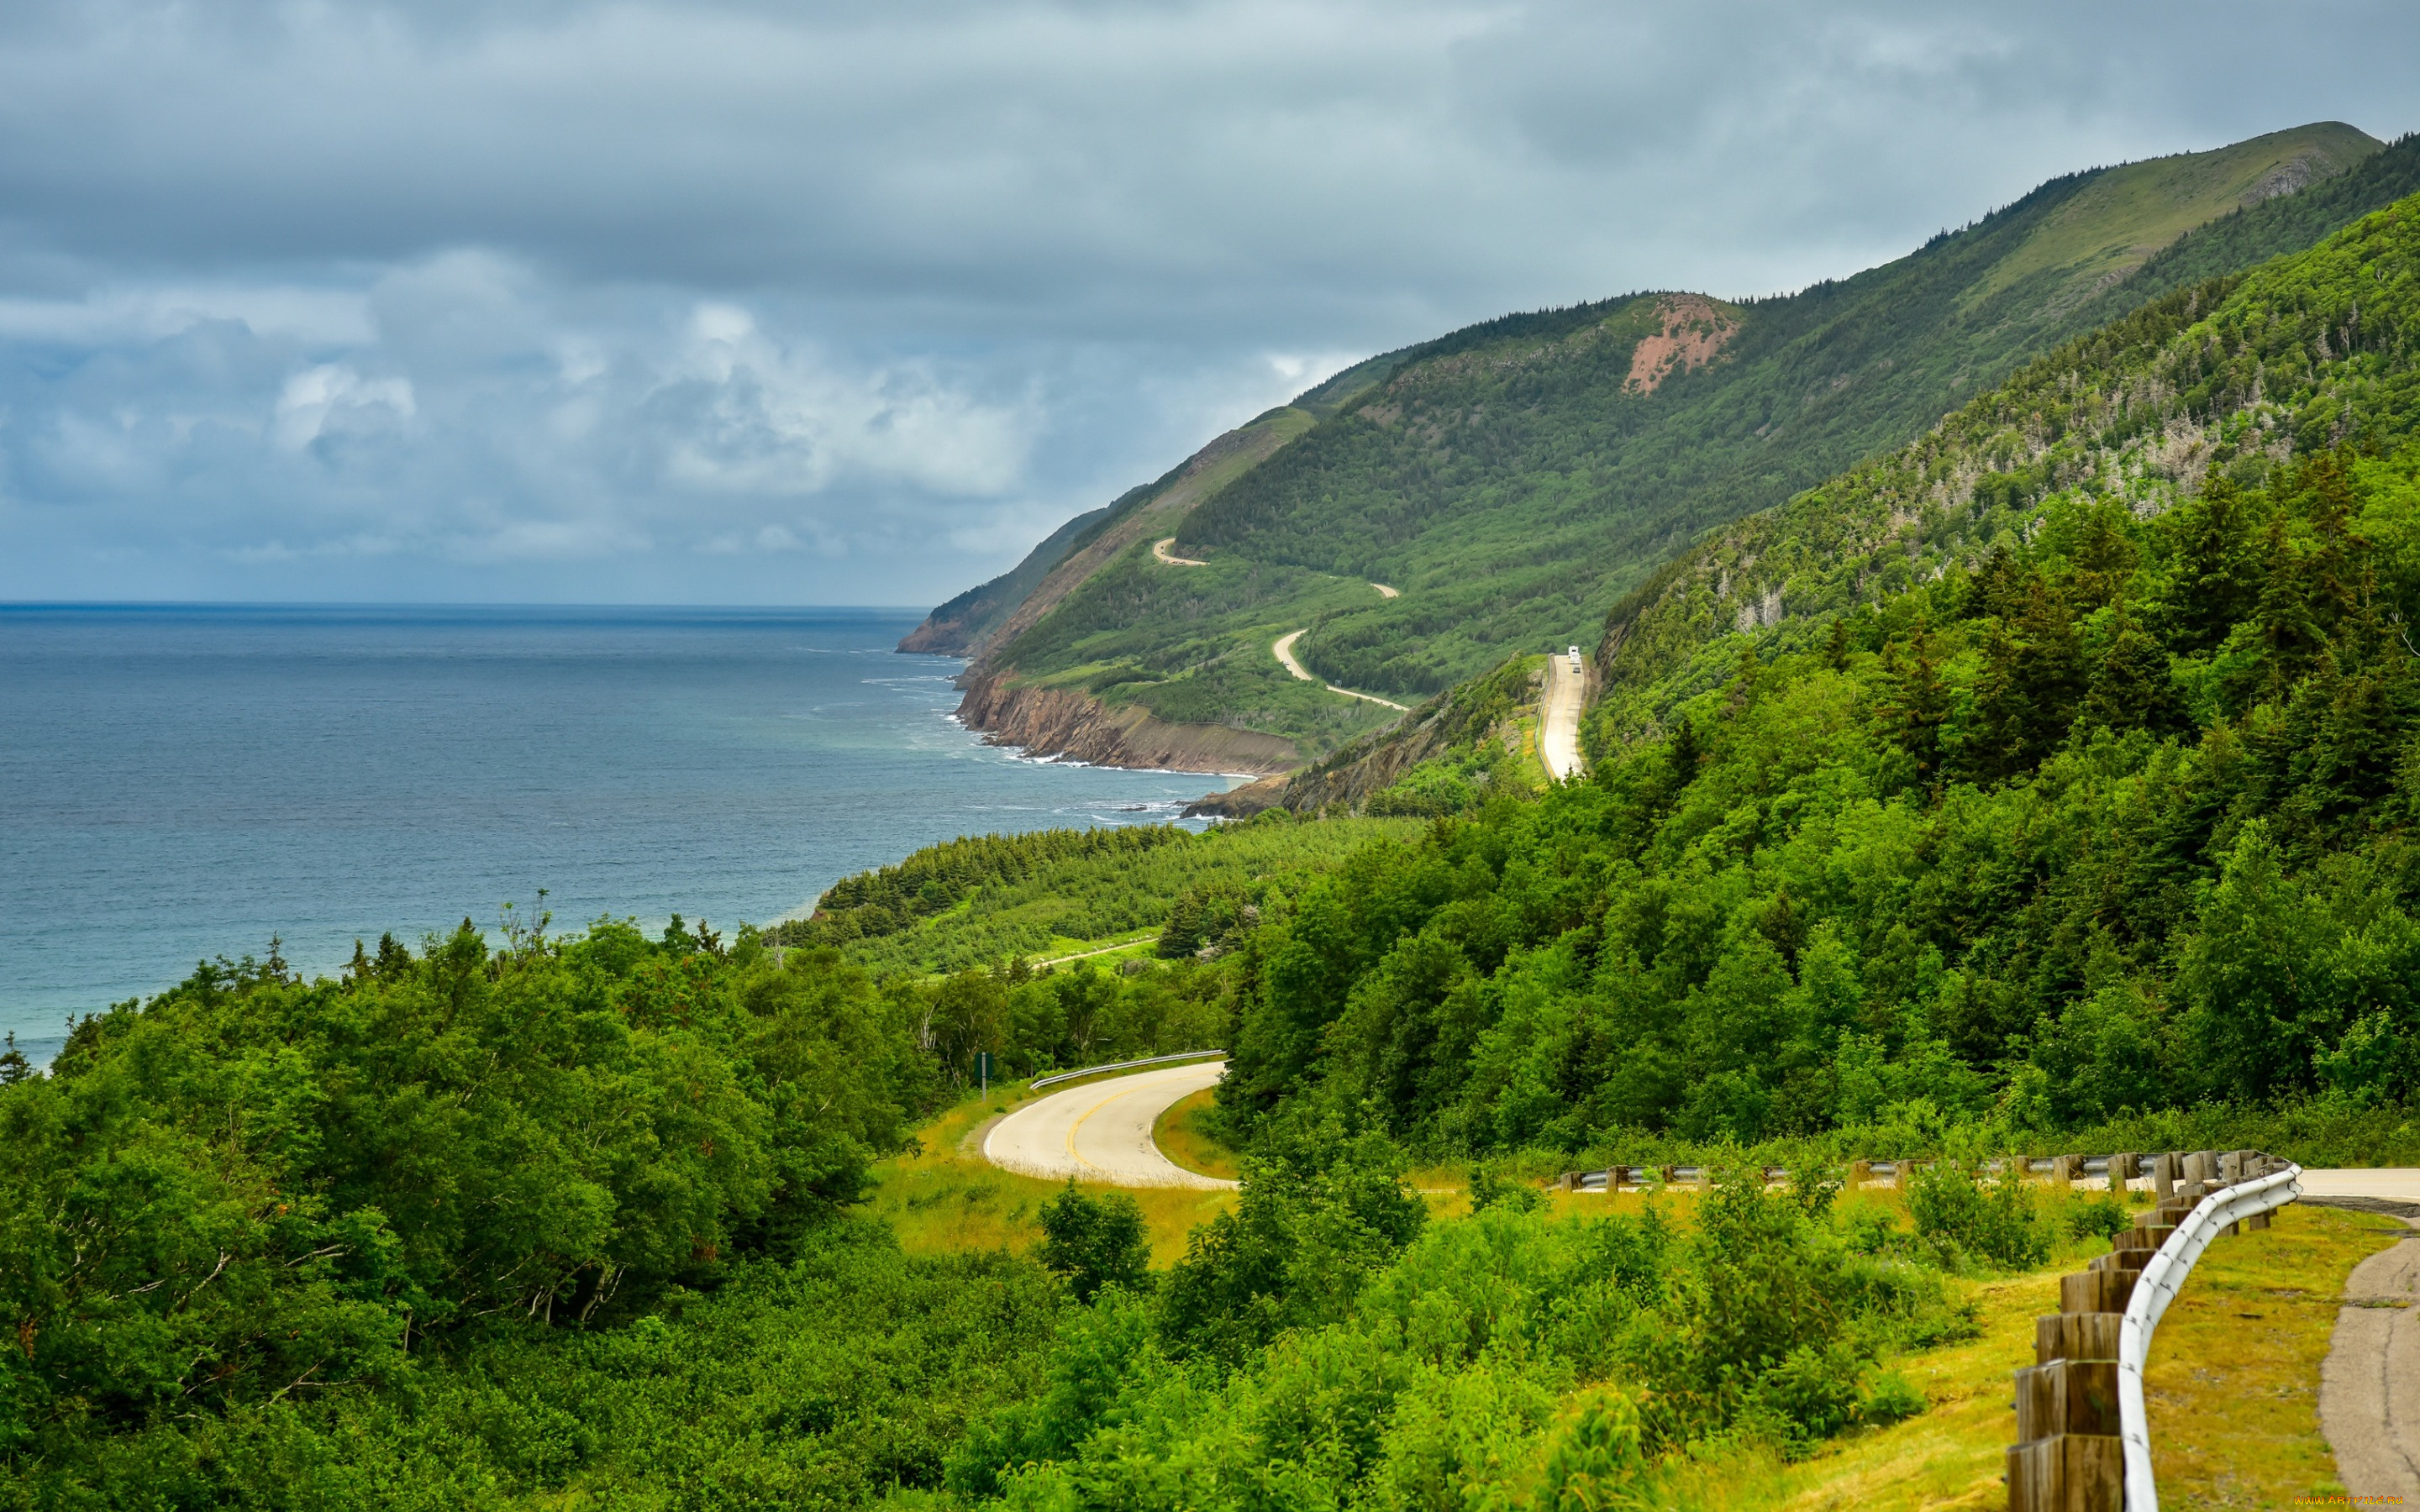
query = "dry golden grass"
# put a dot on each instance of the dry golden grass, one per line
(946, 1198)
(2233, 1384)
(2233, 1399)
(1182, 1141)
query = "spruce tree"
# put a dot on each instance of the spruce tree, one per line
(2129, 686)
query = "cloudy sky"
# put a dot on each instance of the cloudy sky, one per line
(548, 301)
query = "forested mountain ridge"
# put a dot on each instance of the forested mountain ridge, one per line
(2227, 381)
(1513, 479)
(2060, 768)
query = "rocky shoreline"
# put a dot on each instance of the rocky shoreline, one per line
(1049, 721)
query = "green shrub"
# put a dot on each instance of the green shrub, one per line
(2094, 1215)
(1891, 1399)
(1094, 1242)
(1994, 1222)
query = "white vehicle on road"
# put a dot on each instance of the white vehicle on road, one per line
(1575, 658)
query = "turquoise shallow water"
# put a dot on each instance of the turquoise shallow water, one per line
(183, 782)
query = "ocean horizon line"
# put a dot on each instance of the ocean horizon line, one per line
(10, 604)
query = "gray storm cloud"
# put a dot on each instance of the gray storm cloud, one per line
(850, 304)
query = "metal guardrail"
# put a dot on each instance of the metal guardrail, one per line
(2083, 1433)
(1888, 1172)
(1041, 1082)
(2162, 1277)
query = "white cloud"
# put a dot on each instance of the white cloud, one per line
(744, 301)
(782, 421)
(333, 394)
(122, 314)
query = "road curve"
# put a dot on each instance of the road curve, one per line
(1284, 648)
(1559, 720)
(2390, 1183)
(2369, 1383)
(1160, 550)
(1101, 1131)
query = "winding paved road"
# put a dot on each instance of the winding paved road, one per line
(2369, 1384)
(1160, 550)
(1101, 1131)
(1559, 719)
(1284, 648)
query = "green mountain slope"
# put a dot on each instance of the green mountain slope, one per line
(1513, 483)
(2062, 766)
(1514, 480)
(965, 624)
(1772, 578)
(2224, 382)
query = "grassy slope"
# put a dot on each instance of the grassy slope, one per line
(1504, 479)
(2233, 1400)
(2123, 216)
(966, 623)
(2233, 1397)
(1181, 1138)
(2233, 1384)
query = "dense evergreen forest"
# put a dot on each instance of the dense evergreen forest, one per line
(2059, 793)
(2021, 845)
(556, 1222)
(981, 900)
(2078, 786)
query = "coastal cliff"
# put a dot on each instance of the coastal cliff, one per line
(1049, 721)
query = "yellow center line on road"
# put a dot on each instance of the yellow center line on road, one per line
(1071, 1152)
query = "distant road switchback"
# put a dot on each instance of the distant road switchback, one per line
(1284, 648)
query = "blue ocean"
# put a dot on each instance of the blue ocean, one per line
(183, 783)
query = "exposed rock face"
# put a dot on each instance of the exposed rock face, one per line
(1370, 765)
(1239, 803)
(1049, 721)
(1696, 329)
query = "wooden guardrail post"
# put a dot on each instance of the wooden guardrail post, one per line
(2230, 1171)
(2069, 1457)
(2121, 1172)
